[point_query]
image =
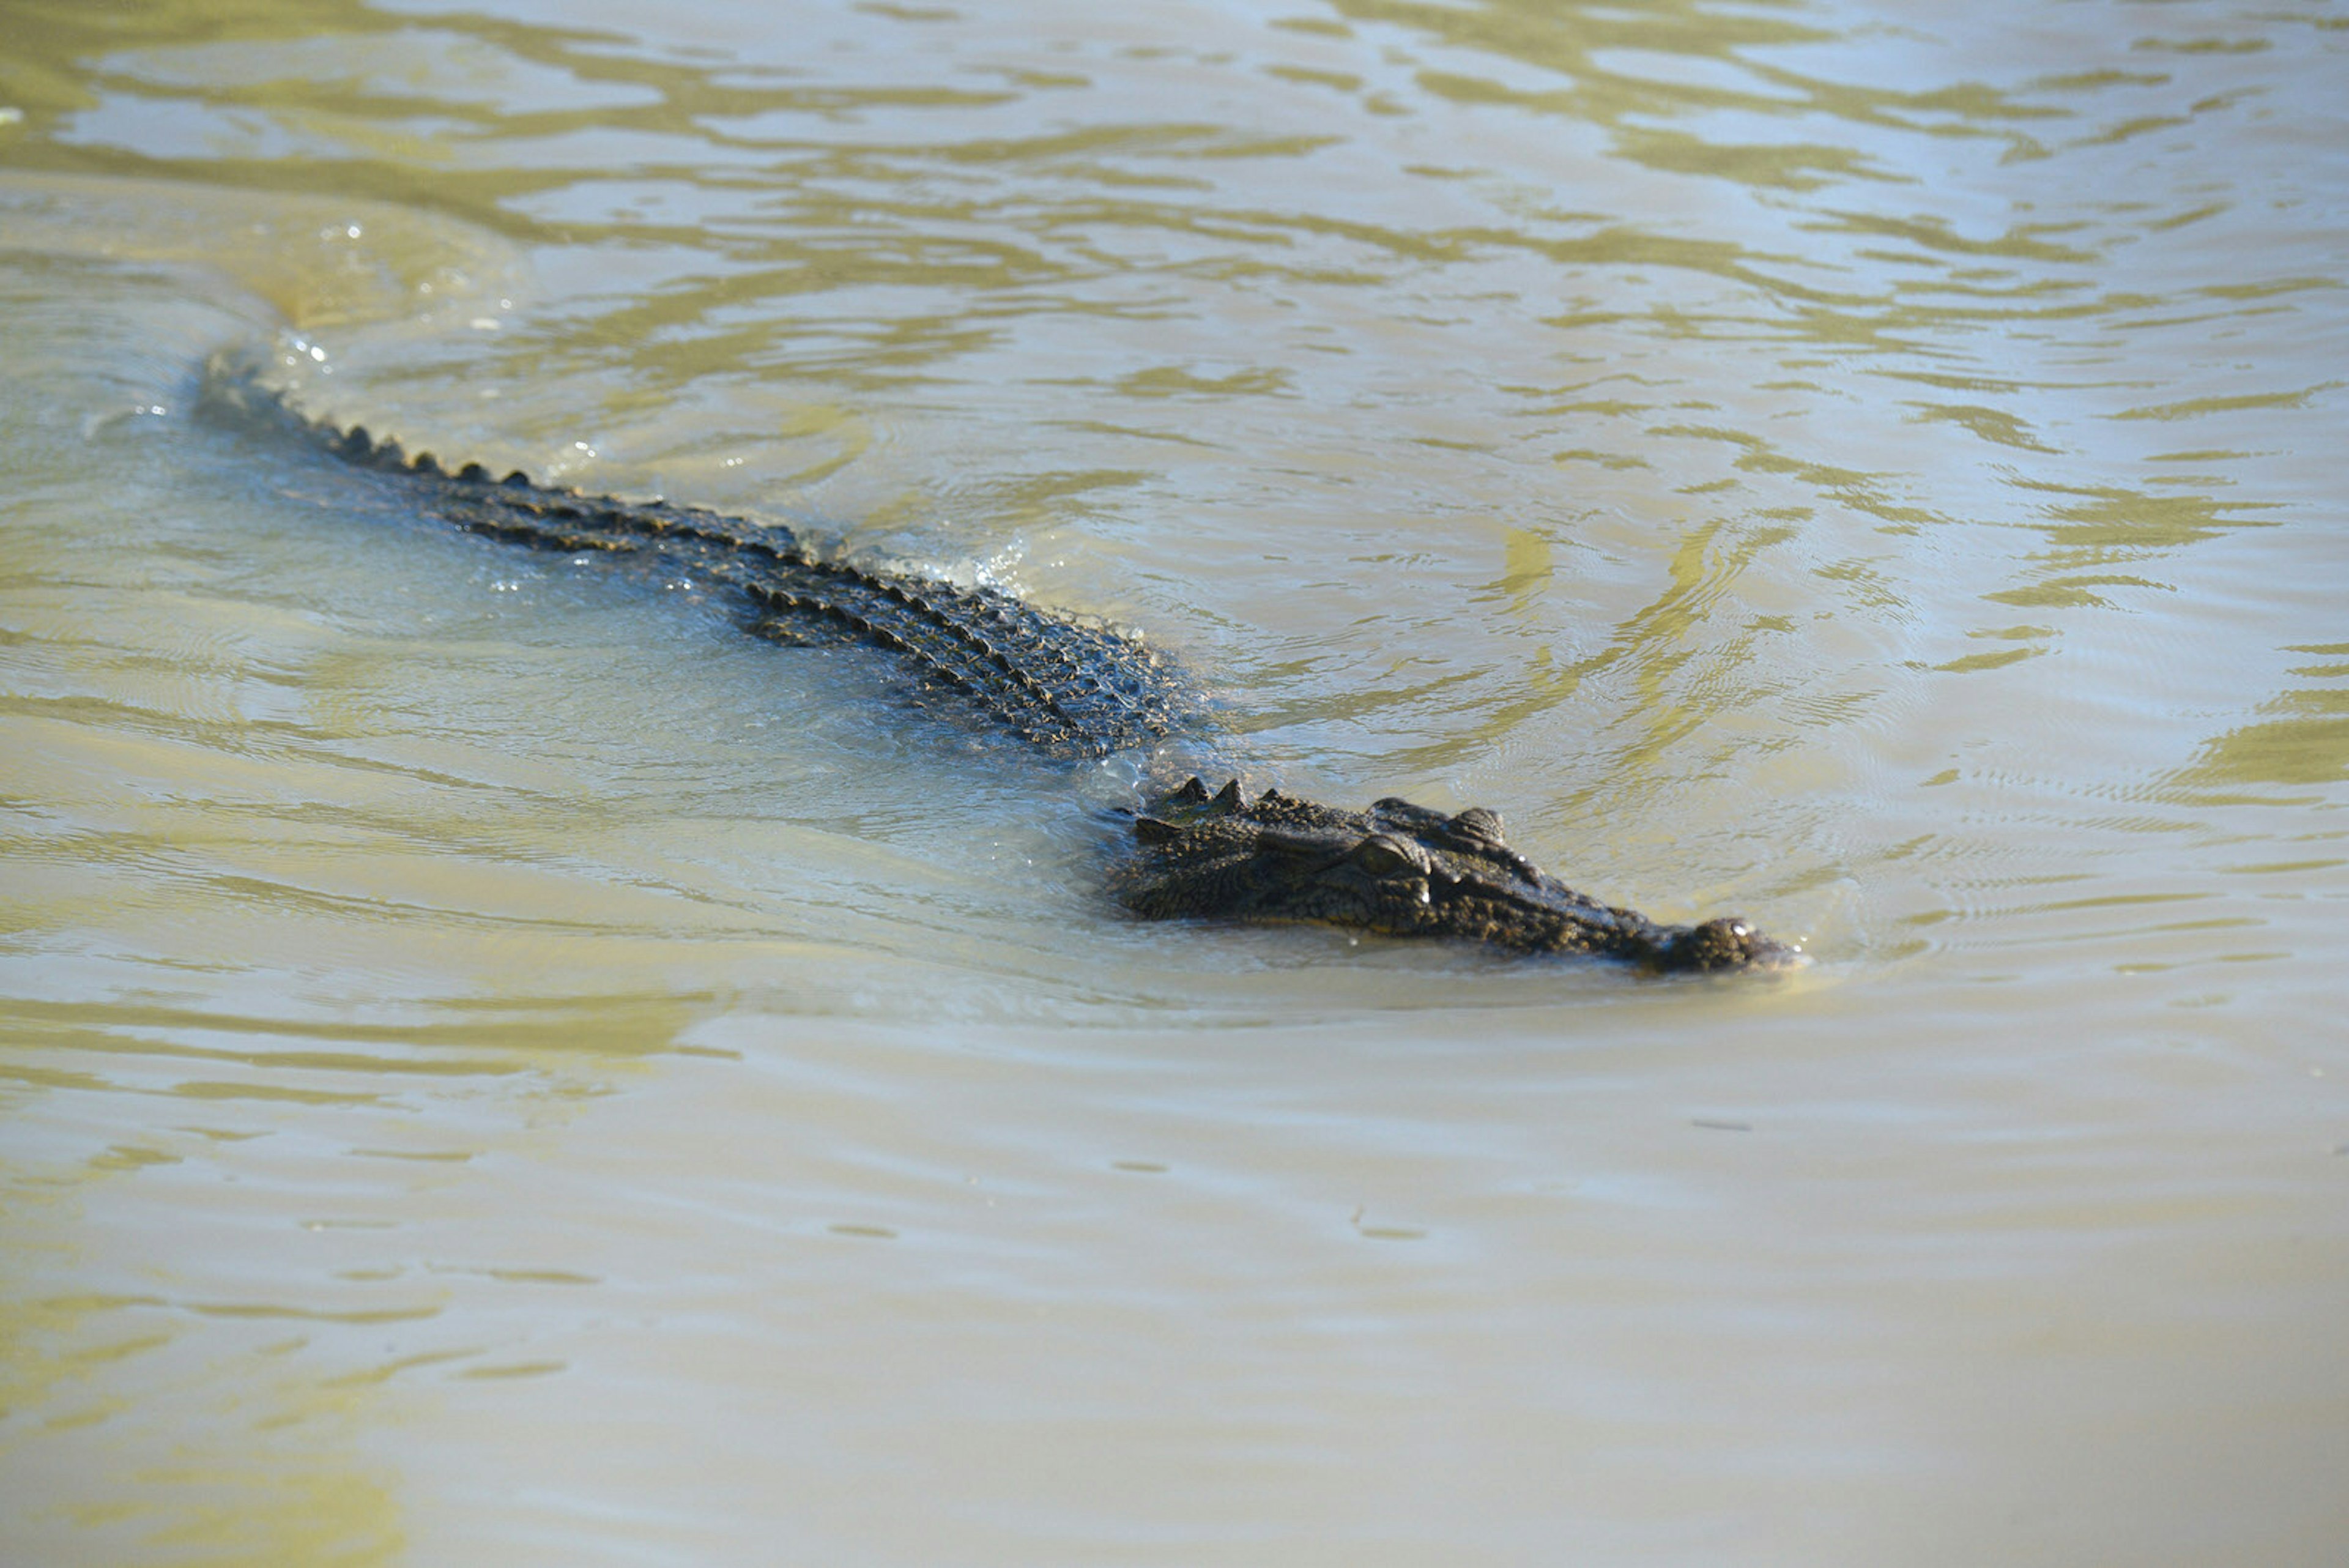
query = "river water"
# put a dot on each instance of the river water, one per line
(497, 1067)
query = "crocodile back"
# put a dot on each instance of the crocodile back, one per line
(1067, 687)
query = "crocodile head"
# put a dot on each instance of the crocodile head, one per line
(1397, 869)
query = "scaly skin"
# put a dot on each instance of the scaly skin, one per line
(1397, 869)
(1069, 689)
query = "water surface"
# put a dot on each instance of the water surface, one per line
(499, 1067)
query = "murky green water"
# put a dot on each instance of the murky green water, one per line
(499, 1068)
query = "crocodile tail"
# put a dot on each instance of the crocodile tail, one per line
(1067, 688)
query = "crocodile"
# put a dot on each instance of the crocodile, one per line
(1066, 687)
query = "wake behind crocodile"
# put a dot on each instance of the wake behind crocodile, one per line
(1066, 688)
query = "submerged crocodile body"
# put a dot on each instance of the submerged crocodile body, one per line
(1069, 689)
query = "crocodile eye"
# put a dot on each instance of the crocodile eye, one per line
(1383, 856)
(1478, 826)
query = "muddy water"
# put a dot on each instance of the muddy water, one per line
(499, 1068)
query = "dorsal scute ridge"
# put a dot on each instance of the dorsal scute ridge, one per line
(1067, 686)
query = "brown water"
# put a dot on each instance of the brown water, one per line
(499, 1068)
